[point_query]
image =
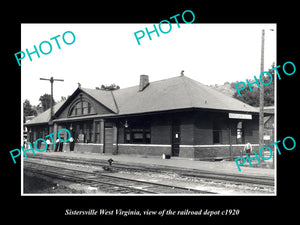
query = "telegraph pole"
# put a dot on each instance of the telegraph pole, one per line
(51, 101)
(261, 95)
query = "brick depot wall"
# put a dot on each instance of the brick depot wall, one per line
(187, 152)
(82, 147)
(79, 147)
(186, 133)
(203, 128)
(161, 131)
(220, 152)
(210, 152)
(251, 130)
(197, 152)
(144, 149)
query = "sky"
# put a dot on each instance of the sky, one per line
(109, 53)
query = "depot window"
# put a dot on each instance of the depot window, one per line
(138, 134)
(83, 131)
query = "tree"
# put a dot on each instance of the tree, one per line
(252, 98)
(28, 110)
(247, 96)
(45, 101)
(108, 87)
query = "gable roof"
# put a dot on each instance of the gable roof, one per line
(105, 98)
(169, 94)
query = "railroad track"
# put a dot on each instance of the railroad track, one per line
(107, 183)
(182, 172)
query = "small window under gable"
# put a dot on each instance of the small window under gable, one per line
(82, 107)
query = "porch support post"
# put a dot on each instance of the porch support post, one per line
(54, 129)
(115, 139)
(102, 135)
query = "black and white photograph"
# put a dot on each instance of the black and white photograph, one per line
(165, 114)
(157, 115)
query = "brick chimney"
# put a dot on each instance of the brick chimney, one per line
(144, 82)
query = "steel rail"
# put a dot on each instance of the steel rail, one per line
(110, 180)
(182, 172)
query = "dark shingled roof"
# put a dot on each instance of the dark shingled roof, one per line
(169, 94)
(105, 97)
(175, 93)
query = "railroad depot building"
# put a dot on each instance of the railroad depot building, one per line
(176, 116)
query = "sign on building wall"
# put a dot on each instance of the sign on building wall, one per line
(240, 116)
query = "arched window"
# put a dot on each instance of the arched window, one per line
(82, 108)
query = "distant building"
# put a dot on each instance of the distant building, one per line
(177, 116)
(27, 119)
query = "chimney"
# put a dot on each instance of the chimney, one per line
(144, 82)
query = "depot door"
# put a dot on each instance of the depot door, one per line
(175, 139)
(108, 140)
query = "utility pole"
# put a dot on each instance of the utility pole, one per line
(51, 101)
(261, 95)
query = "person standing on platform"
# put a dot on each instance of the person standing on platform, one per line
(61, 145)
(56, 144)
(248, 149)
(48, 145)
(25, 143)
(72, 144)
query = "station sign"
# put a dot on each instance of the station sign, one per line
(240, 116)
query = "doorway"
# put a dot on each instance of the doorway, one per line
(175, 139)
(108, 139)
